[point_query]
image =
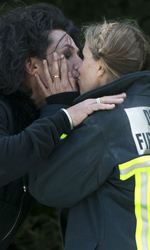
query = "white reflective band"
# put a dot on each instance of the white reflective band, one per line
(130, 168)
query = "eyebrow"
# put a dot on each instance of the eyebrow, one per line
(69, 46)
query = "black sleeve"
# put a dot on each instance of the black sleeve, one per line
(52, 109)
(56, 102)
(74, 170)
(26, 150)
(62, 98)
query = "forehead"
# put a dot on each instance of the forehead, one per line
(86, 51)
(61, 39)
(86, 47)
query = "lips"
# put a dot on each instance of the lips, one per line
(77, 79)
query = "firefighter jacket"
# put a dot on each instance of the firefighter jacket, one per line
(100, 174)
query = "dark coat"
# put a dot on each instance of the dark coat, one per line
(100, 173)
(22, 146)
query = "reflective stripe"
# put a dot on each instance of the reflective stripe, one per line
(144, 208)
(137, 201)
(130, 168)
(63, 136)
(148, 210)
(140, 167)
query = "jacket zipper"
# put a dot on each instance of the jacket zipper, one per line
(17, 218)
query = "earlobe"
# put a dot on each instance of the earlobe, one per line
(32, 66)
(101, 71)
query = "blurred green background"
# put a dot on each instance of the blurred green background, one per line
(41, 229)
(81, 11)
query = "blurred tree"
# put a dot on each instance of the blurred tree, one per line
(83, 11)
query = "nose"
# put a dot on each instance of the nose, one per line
(76, 67)
(78, 63)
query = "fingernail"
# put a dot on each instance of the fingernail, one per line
(55, 55)
(69, 73)
(62, 56)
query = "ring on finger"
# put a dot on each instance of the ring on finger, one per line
(56, 76)
(98, 100)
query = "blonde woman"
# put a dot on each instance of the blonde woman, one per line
(101, 171)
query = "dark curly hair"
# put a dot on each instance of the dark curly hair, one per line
(23, 34)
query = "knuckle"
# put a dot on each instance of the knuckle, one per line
(64, 83)
(57, 87)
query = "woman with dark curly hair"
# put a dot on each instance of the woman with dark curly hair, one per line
(28, 36)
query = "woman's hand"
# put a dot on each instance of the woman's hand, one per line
(81, 110)
(58, 80)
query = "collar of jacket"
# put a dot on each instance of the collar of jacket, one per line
(116, 87)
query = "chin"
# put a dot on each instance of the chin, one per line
(81, 92)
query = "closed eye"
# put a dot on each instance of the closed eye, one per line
(67, 54)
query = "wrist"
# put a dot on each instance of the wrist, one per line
(69, 118)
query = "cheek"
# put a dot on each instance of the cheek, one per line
(77, 61)
(74, 63)
(83, 68)
(69, 65)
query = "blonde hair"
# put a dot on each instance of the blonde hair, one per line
(121, 46)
